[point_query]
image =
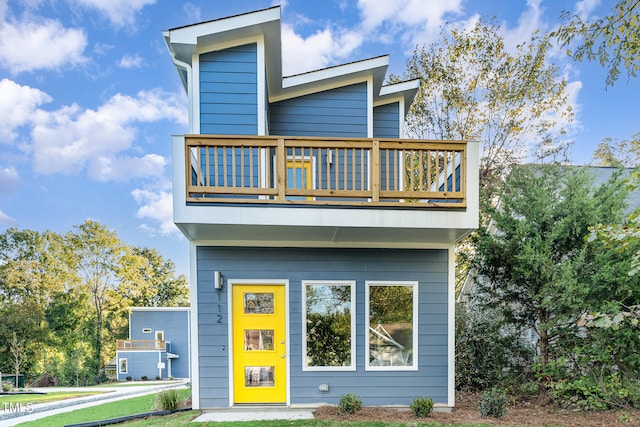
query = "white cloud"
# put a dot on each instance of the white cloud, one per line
(529, 21)
(17, 106)
(3, 10)
(327, 47)
(411, 21)
(193, 12)
(9, 179)
(105, 168)
(585, 8)
(120, 12)
(6, 219)
(158, 207)
(131, 61)
(36, 45)
(407, 21)
(71, 140)
(406, 12)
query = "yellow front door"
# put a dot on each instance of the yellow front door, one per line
(259, 344)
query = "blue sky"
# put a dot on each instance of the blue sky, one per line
(89, 96)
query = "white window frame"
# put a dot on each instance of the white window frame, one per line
(126, 365)
(414, 286)
(352, 285)
(159, 334)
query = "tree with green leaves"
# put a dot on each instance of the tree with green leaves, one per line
(65, 297)
(474, 88)
(536, 267)
(618, 153)
(148, 280)
(612, 40)
(97, 257)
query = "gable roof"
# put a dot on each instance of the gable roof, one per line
(186, 41)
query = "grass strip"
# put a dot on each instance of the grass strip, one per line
(41, 398)
(134, 405)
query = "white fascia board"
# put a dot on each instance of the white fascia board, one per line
(191, 33)
(194, 366)
(473, 181)
(328, 217)
(370, 98)
(407, 90)
(451, 329)
(400, 87)
(335, 72)
(327, 78)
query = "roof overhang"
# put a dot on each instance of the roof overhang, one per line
(185, 42)
(405, 90)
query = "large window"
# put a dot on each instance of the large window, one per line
(329, 325)
(123, 366)
(392, 319)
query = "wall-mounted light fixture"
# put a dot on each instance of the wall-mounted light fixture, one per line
(217, 280)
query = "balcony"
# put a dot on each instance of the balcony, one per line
(324, 192)
(326, 171)
(139, 345)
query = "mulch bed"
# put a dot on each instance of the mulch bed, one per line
(522, 412)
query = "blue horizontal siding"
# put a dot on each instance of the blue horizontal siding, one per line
(428, 267)
(175, 325)
(385, 121)
(336, 112)
(229, 91)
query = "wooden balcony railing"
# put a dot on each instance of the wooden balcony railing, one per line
(141, 345)
(304, 170)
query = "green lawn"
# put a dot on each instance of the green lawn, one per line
(40, 398)
(135, 405)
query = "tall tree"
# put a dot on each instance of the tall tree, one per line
(613, 40)
(474, 88)
(529, 269)
(97, 255)
(148, 280)
(618, 153)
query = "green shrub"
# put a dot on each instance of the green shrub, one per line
(493, 403)
(168, 400)
(485, 354)
(144, 378)
(350, 403)
(7, 386)
(591, 393)
(421, 406)
(129, 378)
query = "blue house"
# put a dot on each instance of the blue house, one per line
(159, 344)
(321, 240)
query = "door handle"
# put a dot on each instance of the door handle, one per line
(282, 356)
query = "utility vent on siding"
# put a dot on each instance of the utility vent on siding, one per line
(146, 330)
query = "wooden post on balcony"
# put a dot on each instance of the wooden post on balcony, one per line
(375, 171)
(281, 169)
